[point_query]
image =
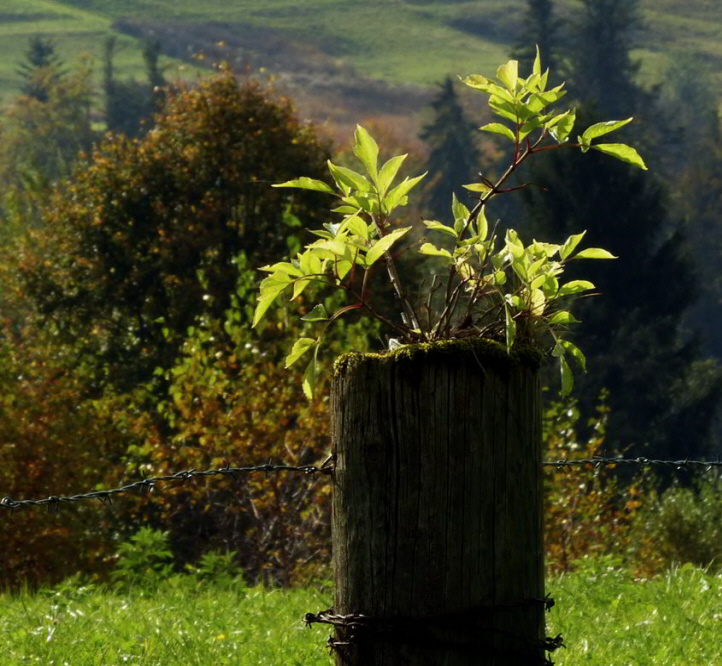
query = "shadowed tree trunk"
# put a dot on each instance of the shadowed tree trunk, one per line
(437, 509)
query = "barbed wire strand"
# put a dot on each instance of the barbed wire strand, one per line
(53, 502)
(603, 461)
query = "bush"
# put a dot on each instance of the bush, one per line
(588, 511)
(682, 525)
(144, 560)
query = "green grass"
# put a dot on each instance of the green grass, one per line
(605, 617)
(397, 40)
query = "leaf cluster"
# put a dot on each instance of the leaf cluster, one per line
(485, 285)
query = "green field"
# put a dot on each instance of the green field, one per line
(415, 41)
(605, 617)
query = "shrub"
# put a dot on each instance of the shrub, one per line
(681, 525)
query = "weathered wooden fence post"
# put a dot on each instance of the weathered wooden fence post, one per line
(437, 509)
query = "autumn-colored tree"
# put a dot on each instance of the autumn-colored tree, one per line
(587, 511)
(45, 129)
(144, 237)
(52, 442)
(230, 400)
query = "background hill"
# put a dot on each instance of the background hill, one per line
(369, 53)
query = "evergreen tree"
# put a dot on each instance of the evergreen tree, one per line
(453, 156)
(603, 71)
(539, 28)
(40, 58)
(129, 104)
(662, 398)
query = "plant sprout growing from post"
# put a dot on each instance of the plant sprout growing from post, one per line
(493, 287)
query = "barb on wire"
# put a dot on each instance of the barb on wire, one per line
(53, 502)
(356, 627)
(602, 461)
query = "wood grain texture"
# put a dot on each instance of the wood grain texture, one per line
(437, 506)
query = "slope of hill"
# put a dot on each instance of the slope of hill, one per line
(327, 44)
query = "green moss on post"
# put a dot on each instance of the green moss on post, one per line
(437, 503)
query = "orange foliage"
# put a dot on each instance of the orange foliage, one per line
(587, 511)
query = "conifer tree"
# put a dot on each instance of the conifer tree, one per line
(40, 59)
(603, 71)
(663, 397)
(540, 27)
(453, 157)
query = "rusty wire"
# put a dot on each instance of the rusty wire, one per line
(53, 502)
(602, 461)
(354, 628)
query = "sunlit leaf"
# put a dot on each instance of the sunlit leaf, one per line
(432, 250)
(600, 129)
(575, 287)
(388, 173)
(367, 151)
(594, 253)
(395, 196)
(570, 245)
(305, 183)
(438, 226)
(348, 178)
(508, 74)
(501, 130)
(622, 152)
(318, 313)
(300, 347)
(383, 245)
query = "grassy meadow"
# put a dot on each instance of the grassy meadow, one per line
(604, 615)
(414, 41)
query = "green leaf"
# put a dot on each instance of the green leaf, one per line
(560, 127)
(575, 287)
(367, 151)
(576, 354)
(480, 82)
(482, 188)
(567, 376)
(348, 179)
(299, 286)
(346, 210)
(304, 183)
(283, 267)
(510, 327)
(310, 262)
(318, 313)
(563, 317)
(300, 347)
(508, 74)
(458, 209)
(432, 250)
(498, 128)
(438, 226)
(537, 63)
(482, 225)
(504, 109)
(622, 152)
(271, 287)
(600, 129)
(356, 226)
(595, 253)
(388, 173)
(570, 245)
(337, 247)
(395, 197)
(309, 377)
(384, 245)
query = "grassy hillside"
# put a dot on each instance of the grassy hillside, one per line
(415, 41)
